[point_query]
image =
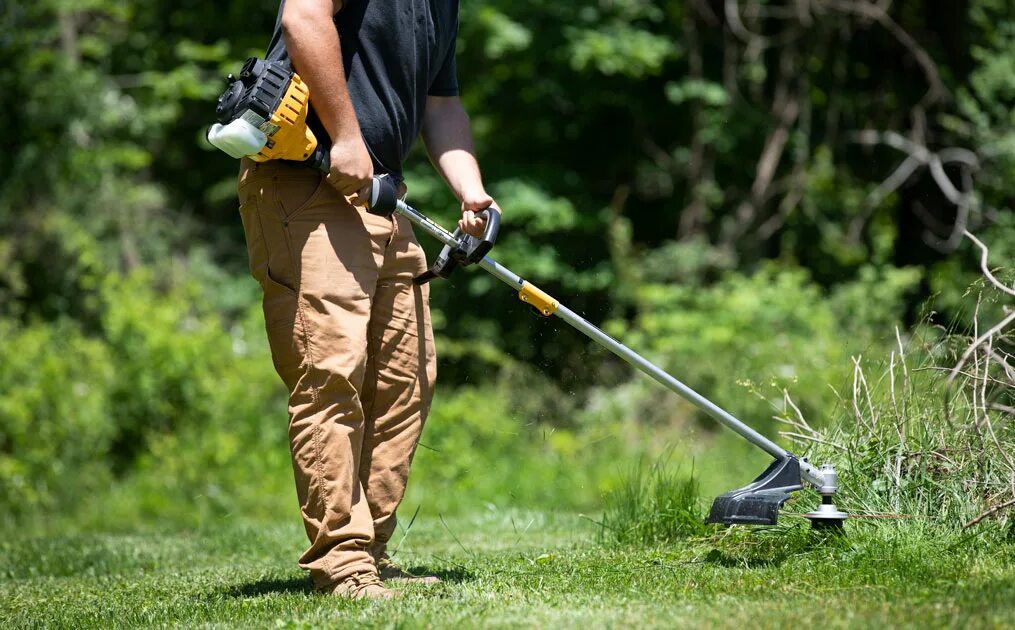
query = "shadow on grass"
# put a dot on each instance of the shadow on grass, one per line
(302, 585)
(456, 575)
(270, 586)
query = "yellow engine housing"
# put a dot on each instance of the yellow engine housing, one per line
(292, 138)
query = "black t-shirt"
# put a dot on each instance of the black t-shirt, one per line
(395, 54)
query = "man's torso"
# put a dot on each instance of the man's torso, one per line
(395, 53)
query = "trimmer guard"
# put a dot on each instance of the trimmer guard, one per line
(759, 502)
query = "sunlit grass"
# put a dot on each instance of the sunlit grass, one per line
(519, 568)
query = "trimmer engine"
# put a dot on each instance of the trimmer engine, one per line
(263, 115)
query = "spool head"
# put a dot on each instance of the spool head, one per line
(828, 516)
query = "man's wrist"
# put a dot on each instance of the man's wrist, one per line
(344, 136)
(474, 196)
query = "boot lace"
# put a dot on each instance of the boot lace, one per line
(365, 580)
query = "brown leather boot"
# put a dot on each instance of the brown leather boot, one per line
(391, 572)
(364, 585)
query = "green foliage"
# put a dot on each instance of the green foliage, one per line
(56, 420)
(480, 447)
(168, 395)
(619, 48)
(767, 332)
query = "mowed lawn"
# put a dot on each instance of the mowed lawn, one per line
(509, 569)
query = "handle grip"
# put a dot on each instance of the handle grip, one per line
(383, 196)
(384, 199)
(321, 159)
(476, 248)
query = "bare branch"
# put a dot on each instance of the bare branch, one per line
(879, 14)
(803, 11)
(990, 512)
(1002, 408)
(937, 171)
(896, 140)
(785, 109)
(800, 438)
(919, 155)
(983, 265)
(996, 328)
(1009, 371)
(766, 11)
(969, 375)
(736, 25)
(898, 177)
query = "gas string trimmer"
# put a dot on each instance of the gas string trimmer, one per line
(263, 115)
(755, 504)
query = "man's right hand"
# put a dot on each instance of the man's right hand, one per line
(316, 52)
(352, 170)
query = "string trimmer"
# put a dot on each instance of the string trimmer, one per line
(263, 115)
(757, 503)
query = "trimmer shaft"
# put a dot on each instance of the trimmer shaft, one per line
(755, 504)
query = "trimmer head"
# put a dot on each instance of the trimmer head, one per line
(827, 516)
(759, 502)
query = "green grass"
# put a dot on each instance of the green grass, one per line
(655, 504)
(518, 569)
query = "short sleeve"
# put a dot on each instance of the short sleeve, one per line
(445, 82)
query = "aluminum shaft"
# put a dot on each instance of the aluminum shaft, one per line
(811, 473)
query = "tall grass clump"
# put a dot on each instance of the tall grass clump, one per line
(923, 438)
(654, 504)
(926, 434)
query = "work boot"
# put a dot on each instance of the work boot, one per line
(390, 571)
(363, 585)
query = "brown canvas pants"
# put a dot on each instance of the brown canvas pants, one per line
(350, 336)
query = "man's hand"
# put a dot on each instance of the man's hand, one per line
(472, 205)
(352, 170)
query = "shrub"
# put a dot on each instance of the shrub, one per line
(56, 420)
(172, 410)
(910, 443)
(481, 447)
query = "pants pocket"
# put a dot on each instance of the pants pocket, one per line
(296, 193)
(280, 301)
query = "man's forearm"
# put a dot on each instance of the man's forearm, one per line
(448, 140)
(314, 47)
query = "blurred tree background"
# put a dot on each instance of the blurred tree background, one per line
(749, 191)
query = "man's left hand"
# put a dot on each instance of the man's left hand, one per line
(471, 223)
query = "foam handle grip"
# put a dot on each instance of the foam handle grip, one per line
(383, 197)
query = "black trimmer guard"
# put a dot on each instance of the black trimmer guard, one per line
(759, 502)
